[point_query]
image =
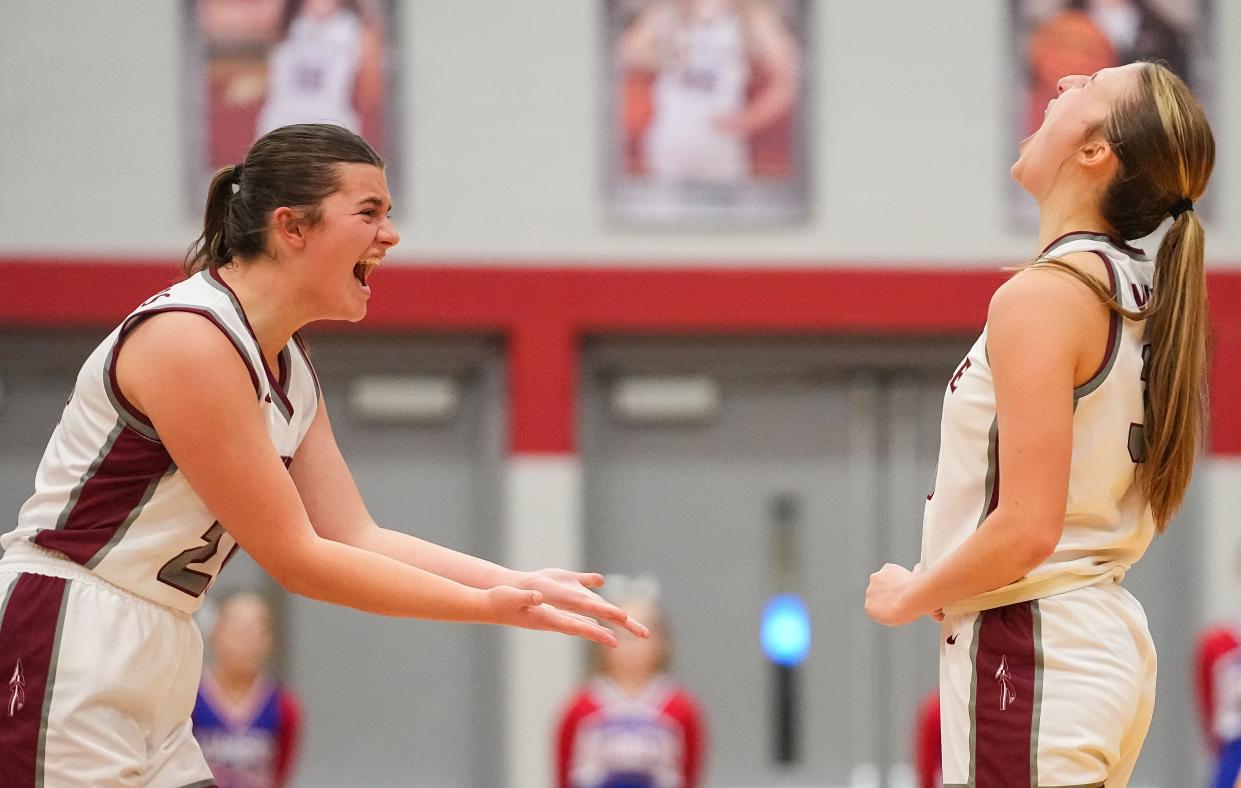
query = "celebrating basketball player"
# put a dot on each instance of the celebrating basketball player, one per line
(1069, 435)
(197, 426)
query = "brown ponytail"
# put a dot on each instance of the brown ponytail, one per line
(293, 166)
(211, 248)
(1176, 373)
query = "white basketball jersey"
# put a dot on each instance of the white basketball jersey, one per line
(311, 74)
(108, 495)
(705, 76)
(1108, 523)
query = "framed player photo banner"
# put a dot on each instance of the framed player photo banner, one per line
(255, 65)
(1057, 38)
(707, 112)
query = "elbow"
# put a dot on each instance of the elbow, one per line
(1039, 541)
(293, 569)
(1030, 538)
(289, 577)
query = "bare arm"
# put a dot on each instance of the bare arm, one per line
(1045, 331)
(337, 512)
(211, 427)
(775, 55)
(368, 87)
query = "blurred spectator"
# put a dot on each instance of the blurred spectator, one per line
(631, 725)
(703, 80)
(1088, 35)
(246, 723)
(269, 63)
(1217, 689)
(928, 747)
(327, 67)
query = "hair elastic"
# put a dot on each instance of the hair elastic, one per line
(1180, 206)
(237, 177)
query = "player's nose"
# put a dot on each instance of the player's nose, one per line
(1071, 81)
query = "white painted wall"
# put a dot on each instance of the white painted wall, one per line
(502, 121)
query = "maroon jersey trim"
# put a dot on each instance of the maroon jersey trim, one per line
(314, 376)
(280, 399)
(130, 414)
(1078, 235)
(109, 497)
(991, 485)
(1114, 327)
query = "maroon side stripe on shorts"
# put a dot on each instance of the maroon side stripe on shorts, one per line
(123, 480)
(29, 638)
(1004, 704)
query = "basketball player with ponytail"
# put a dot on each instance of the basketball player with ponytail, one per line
(197, 426)
(1069, 435)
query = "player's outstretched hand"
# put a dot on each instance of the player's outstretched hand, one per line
(518, 607)
(570, 591)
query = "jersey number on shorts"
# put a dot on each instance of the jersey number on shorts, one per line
(177, 572)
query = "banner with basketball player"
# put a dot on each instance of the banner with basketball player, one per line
(1056, 38)
(256, 65)
(708, 113)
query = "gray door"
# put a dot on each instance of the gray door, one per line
(392, 702)
(850, 431)
(37, 370)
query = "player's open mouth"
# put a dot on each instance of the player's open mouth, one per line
(362, 269)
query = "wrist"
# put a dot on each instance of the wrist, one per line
(514, 578)
(481, 603)
(912, 601)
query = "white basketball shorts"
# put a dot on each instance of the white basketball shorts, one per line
(97, 684)
(1057, 691)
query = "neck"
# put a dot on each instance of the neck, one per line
(269, 301)
(632, 683)
(1060, 214)
(235, 684)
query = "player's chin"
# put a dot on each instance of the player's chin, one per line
(351, 310)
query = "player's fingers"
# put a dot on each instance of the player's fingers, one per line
(598, 608)
(590, 579)
(591, 604)
(636, 627)
(579, 626)
(579, 617)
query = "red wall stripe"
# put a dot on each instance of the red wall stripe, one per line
(545, 311)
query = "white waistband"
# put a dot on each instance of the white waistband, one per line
(25, 556)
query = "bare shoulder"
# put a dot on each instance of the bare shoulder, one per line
(1050, 292)
(178, 338)
(178, 349)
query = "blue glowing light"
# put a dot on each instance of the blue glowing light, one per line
(785, 630)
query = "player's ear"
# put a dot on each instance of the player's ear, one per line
(289, 226)
(1095, 153)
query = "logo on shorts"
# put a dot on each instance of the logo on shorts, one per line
(17, 685)
(1007, 693)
